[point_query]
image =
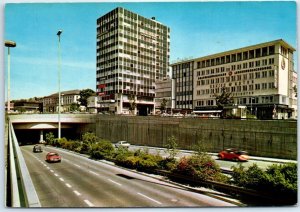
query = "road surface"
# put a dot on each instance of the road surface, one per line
(81, 182)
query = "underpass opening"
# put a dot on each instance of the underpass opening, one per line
(32, 136)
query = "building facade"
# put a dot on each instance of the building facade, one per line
(50, 103)
(132, 52)
(261, 77)
(163, 92)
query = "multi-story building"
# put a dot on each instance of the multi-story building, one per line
(261, 77)
(50, 103)
(132, 52)
(163, 92)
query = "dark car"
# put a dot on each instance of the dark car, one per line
(37, 148)
(53, 157)
(233, 154)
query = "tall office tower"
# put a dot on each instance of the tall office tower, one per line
(132, 52)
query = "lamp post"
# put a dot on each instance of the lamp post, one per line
(9, 44)
(59, 71)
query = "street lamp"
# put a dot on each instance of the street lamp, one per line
(8, 44)
(59, 71)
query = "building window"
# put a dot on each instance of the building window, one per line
(257, 63)
(271, 61)
(257, 86)
(257, 75)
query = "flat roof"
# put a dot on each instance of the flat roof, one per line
(281, 41)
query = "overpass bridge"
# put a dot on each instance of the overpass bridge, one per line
(32, 126)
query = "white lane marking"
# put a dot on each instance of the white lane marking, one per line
(48, 167)
(68, 185)
(56, 175)
(66, 159)
(61, 179)
(51, 170)
(44, 164)
(77, 193)
(94, 173)
(89, 203)
(115, 182)
(143, 195)
(77, 165)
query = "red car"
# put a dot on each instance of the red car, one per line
(53, 157)
(233, 154)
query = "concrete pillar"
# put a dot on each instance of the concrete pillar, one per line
(41, 136)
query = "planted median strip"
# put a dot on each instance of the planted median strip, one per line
(200, 169)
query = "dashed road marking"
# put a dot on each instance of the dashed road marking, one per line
(68, 185)
(56, 175)
(115, 182)
(89, 203)
(77, 165)
(77, 193)
(48, 167)
(61, 179)
(94, 173)
(143, 195)
(51, 170)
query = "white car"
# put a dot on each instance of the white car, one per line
(122, 143)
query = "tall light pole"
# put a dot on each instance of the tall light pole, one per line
(59, 71)
(8, 44)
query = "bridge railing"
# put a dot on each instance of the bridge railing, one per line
(22, 191)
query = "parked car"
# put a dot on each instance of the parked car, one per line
(233, 154)
(37, 148)
(122, 143)
(53, 157)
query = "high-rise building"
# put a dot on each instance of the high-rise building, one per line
(132, 52)
(260, 77)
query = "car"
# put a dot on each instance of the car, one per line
(53, 157)
(37, 148)
(233, 154)
(122, 144)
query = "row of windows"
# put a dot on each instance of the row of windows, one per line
(255, 53)
(252, 64)
(239, 88)
(234, 78)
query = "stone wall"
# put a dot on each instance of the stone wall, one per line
(276, 138)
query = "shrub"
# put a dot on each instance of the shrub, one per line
(102, 150)
(168, 164)
(50, 138)
(277, 180)
(148, 162)
(89, 138)
(200, 167)
(121, 154)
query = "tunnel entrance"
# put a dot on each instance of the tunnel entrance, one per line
(32, 136)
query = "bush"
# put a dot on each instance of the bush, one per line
(277, 180)
(121, 155)
(102, 150)
(148, 162)
(200, 167)
(168, 164)
(89, 138)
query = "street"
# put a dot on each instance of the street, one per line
(81, 182)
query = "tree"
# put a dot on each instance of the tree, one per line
(163, 104)
(172, 147)
(132, 103)
(84, 95)
(224, 98)
(74, 107)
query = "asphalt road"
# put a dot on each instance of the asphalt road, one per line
(81, 182)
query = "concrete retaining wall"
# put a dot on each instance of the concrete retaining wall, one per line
(260, 138)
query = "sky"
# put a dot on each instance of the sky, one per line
(197, 29)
